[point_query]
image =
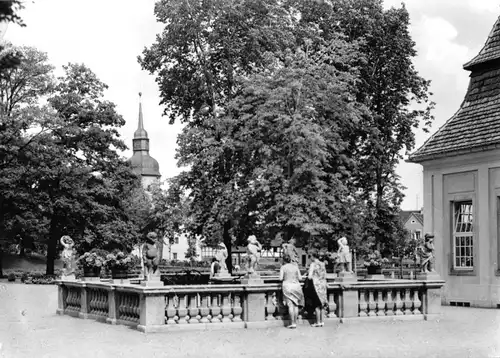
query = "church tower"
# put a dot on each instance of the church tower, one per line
(142, 163)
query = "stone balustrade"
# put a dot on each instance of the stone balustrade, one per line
(156, 309)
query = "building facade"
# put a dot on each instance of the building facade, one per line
(413, 221)
(461, 164)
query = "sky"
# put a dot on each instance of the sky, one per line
(108, 35)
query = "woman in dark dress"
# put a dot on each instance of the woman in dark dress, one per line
(318, 296)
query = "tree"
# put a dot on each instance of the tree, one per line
(242, 176)
(390, 86)
(8, 13)
(203, 49)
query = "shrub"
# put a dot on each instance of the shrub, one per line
(11, 277)
(92, 259)
(120, 260)
(24, 277)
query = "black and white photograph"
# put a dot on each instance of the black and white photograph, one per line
(250, 178)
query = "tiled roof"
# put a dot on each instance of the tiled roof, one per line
(406, 214)
(490, 50)
(476, 125)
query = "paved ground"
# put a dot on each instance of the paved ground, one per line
(29, 327)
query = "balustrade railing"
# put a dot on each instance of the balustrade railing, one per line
(390, 301)
(219, 305)
(128, 306)
(98, 302)
(238, 305)
(73, 299)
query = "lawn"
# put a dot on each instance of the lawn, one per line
(31, 263)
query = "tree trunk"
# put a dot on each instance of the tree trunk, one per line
(227, 241)
(1, 262)
(52, 246)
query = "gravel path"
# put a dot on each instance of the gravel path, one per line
(29, 327)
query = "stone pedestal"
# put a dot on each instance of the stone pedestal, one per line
(153, 280)
(428, 276)
(223, 273)
(152, 313)
(252, 279)
(349, 305)
(375, 277)
(346, 277)
(91, 279)
(70, 277)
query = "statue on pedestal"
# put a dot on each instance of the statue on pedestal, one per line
(290, 250)
(150, 256)
(344, 255)
(221, 256)
(253, 249)
(68, 256)
(426, 253)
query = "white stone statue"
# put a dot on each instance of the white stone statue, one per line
(68, 255)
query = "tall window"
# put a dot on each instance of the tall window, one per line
(418, 234)
(175, 255)
(463, 235)
(176, 240)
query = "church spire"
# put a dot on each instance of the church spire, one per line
(141, 162)
(140, 132)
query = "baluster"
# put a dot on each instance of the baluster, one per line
(226, 307)
(332, 306)
(100, 303)
(95, 295)
(170, 310)
(104, 296)
(231, 305)
(130, 304)
(416, 302)
(215, 310)
(270, 307)
(182, 310)
(125, 306)
(91, 300)
(398, 303)
(389, 303)
(176, 305)
(372, 305)
(380, 303)
(408, 303)
(69, 299)
(204, 308)
(95, 303)
(121, 298)
(237, 309)
(137, 310)
(193, 309)
(363, 306)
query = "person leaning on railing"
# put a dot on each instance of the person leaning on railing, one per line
(293, 296)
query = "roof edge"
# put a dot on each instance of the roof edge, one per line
(417, 159)
(472, 63)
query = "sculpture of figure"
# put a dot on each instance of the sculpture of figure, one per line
(344, 255)
(290, 250)
(426, 253)
(253, 249)
(68, 255)
(150, 255)
(214, 268)
(221, 256)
